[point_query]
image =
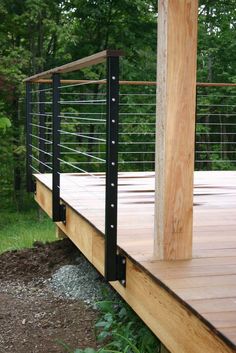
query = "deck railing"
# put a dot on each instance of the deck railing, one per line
(100, 125)
(51, 136)
(216, 127)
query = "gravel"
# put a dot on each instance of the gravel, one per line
(56, 269)
(74, 282)
(80, 281)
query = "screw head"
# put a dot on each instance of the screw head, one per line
(112, 205)
(113, 99)
(113, 163)
(112, 226)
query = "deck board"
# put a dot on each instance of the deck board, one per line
(207, 283)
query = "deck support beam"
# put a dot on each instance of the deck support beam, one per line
(176, 95)
(60, 234)
(164, 349)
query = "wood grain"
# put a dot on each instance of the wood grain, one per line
(176, 96)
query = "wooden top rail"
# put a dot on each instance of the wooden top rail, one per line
(205, 84)
(76, 65)
(131, 83)
(99, 82)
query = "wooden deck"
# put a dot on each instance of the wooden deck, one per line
(190, 305)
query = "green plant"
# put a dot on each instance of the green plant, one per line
(121, 330)
(4, 123)
(68, 349)
(86, 350)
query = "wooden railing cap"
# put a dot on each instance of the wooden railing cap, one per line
(77, 64)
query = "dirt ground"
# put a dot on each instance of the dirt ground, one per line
(32, 319)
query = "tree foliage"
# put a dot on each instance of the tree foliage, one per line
(39, 34)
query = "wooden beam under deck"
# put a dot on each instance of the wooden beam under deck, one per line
(190, 305)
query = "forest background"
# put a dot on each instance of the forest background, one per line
(36, 35)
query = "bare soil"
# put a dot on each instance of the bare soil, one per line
(32, 318)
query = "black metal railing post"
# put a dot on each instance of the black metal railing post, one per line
(114, 263)
(42, 130)
(30, 185)
(58, 210)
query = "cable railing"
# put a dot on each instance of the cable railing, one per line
(83, 127)
(216, 128)
(101, 127)
(73, 126)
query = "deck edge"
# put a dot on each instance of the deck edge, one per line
(211, 329)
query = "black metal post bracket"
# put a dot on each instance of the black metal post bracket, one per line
(58, 210)
(114, 263)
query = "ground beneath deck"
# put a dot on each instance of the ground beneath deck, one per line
(32, 318)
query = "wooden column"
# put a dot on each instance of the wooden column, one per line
(176, 94)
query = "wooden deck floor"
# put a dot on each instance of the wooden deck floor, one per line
(206, 285)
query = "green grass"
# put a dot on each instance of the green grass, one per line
(21, 229)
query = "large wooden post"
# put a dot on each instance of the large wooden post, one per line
(176, 94)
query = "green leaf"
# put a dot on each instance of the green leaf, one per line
(134, 348)
(100, 324)
(122, 313)
(105, 306)
(19, 150)
(103, 335)
(4, 123)
(89, 350)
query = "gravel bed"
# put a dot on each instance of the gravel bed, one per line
(81, 281)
